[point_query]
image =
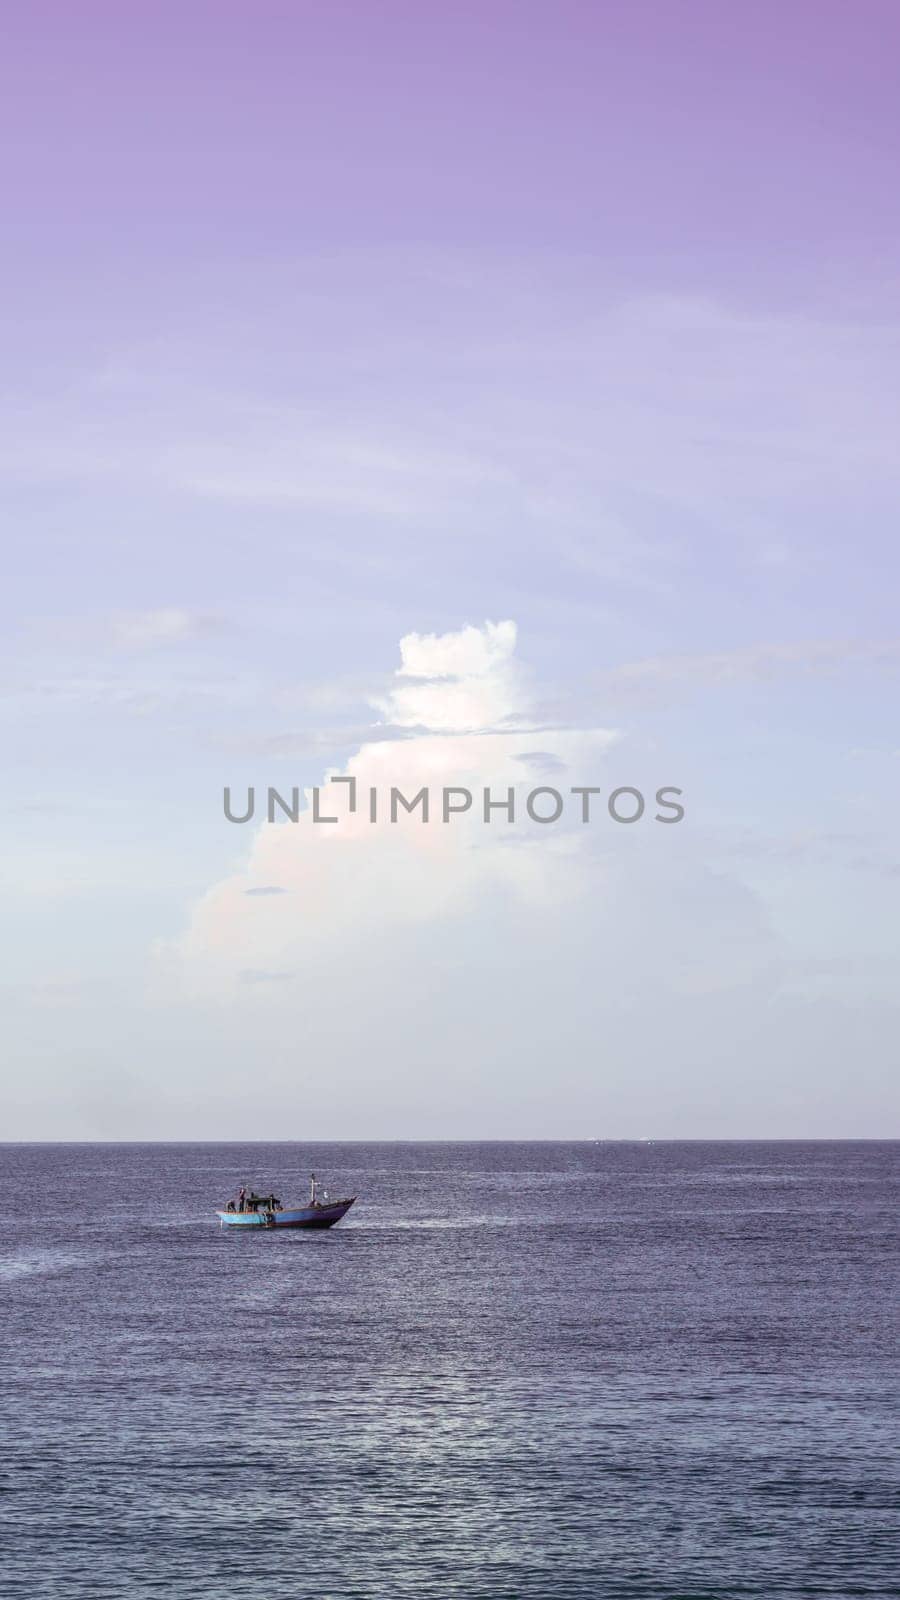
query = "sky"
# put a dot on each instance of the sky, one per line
(498, 394)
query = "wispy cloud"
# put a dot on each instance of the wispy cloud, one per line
(757, 663)
(141, 630)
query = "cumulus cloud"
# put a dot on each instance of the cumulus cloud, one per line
(352, 880)
(495, 977)
(473, 965)
(470, 653)
(464, 682)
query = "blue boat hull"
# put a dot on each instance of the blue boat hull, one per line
(318, 1216)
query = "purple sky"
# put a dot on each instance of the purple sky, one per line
(754, 142)
(331, 324)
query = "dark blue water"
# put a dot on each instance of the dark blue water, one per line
(515, 1370)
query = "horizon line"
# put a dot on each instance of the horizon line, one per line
(862, 1138)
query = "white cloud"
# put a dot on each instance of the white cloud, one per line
(352, 880)
(466, 682)
(470, 653)
(469, 962)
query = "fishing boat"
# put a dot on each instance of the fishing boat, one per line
(266, 1211)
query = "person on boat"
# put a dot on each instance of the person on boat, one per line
(312, 1190)
(242, 1196)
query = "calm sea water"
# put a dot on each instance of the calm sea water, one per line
(515, 1370)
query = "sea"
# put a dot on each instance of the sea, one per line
(610, 1371)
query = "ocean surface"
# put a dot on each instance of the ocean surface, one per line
(514, 1370)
